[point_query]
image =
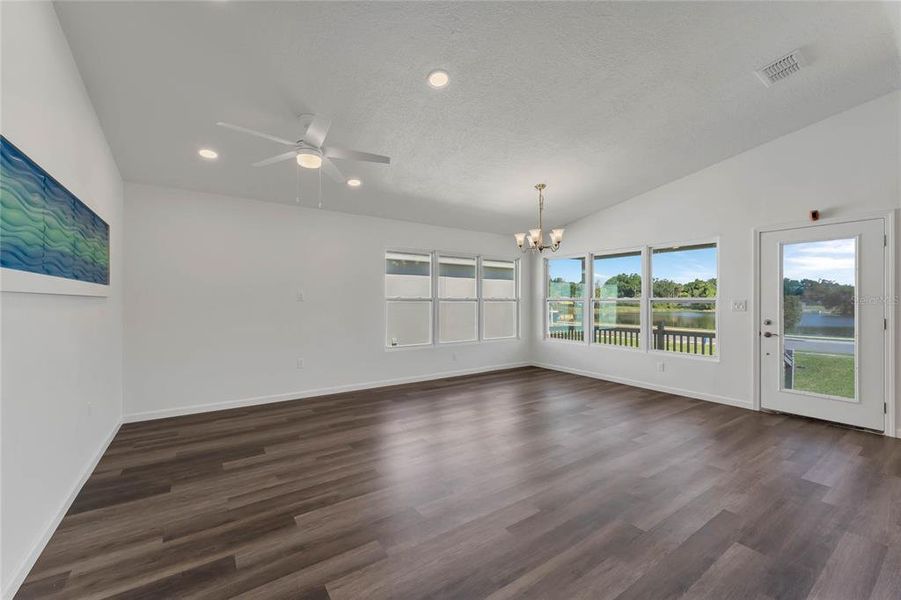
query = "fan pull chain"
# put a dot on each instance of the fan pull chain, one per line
(296, 182)
(320, 188)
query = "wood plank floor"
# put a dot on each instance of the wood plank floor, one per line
(518, 484)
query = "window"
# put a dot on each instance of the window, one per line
(408, 293)
(616, 299)
(683, 299)
(458, 301)
(453, 291)
(500, 299)
(566, 298)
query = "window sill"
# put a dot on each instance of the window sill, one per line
(618, 348)
(559, 341)
(685, 355)
(451, 344)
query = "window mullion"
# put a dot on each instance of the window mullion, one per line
(435, 301)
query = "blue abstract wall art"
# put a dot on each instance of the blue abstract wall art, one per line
(44, 228)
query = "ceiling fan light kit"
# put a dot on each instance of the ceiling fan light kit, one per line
(535, 237)
(309, 151)
(309, 159)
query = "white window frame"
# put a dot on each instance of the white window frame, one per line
(517, 291)
(430, 299)
(436, 274)
(650, 299)
(643, 254)
(586, 275)
(435, 300)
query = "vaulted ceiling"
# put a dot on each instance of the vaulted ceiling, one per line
(602, 101)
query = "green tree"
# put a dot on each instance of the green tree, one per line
(835, 297)
(666, 288)
(791, 312)
(623, 285)
(699, 288)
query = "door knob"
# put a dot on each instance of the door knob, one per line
(770, 334)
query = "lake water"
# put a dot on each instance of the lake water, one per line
(824, 324)
(685, 319)
(812, 323)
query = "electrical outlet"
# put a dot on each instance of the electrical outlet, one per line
(661, 367)
(739, 306)
(300, 297)
(300, 363)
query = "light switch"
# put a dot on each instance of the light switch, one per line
(300, 297)
(739, 306)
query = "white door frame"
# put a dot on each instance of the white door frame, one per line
(889, 339)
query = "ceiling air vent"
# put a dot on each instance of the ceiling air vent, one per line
(781, 68)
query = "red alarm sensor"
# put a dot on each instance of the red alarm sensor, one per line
(814, 215)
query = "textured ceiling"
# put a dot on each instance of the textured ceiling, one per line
(602, 101)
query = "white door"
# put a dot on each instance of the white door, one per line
(822, 328)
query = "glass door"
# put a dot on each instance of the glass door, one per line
(822, 347)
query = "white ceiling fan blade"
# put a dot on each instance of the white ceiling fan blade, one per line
(277, 158)
(344, 153)
(332, 170)
(317, 130)
(259, 134)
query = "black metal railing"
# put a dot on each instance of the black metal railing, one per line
(690, 341)
(573, 333)
(617, 336)
(673, 339)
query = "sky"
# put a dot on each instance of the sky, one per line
(685, 265)
(570, 269)
(830, 259)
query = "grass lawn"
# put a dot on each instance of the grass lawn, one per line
(831, 374)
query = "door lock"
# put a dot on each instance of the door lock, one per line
(770, 334)
(767, 321)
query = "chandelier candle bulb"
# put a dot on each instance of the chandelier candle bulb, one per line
(520, 239)
(535, 235)
(556, 236)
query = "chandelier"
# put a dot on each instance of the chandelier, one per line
(535, 238)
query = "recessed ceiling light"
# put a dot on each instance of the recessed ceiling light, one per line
(354, 182)
(208, 154)
(309, 160)
(438, 78)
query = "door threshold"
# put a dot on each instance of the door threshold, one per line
(824, 421)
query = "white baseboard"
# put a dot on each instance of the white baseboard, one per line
(19, 574)
(242, 402)
(651, 386)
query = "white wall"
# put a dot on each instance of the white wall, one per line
(61, 355)
(844, 165)
(212, 316)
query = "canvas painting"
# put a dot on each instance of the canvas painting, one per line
(50, 241)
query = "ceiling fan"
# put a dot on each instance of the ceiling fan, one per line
(309, 151)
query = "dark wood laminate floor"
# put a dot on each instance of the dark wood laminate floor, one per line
(518, 484)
